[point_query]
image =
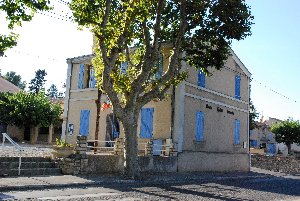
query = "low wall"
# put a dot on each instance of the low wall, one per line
(277, 163)
(215, 162)
(106, 164)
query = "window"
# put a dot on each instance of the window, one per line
(84, 122)
(201, 78)
(123, 67)
(238, 87)
(237, 131)
(146, 122)
(199, 127)
(86, 77)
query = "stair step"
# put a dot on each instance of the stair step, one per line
(24, 159)
(26, 165)
(31, 172)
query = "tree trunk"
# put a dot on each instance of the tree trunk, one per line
(289, 146)
(132, 169)
(98, 106)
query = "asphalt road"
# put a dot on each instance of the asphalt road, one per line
(227, 188)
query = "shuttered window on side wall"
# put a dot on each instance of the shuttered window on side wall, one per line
(199, 126)
(238, 87)
(92, 81)
(201, 78)
(237, 131)
(146, 122)
(80, 76)
(84, 122)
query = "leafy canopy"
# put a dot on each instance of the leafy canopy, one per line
(28, 109)
(137, 31)
(15, 12)
(287, 131)
(36, 85)
(15, 79)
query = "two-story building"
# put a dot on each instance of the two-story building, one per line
(206, 117)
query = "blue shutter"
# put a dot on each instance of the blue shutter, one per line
(80, 77)
(159, 65)
(123, 67)
(157, 147)
(146, 122)
(199, 126)
(201, 78)
(84, 122)
(238, 87)
(237, 131)
(92, 82)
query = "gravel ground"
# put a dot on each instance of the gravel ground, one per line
(29, 151)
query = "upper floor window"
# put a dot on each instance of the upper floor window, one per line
(159, 66)
(201, 78)
(86, 77)
(238, 87)
(123, 67)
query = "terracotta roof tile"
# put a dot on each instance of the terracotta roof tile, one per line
(6, 86)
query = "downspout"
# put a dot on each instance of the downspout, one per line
(67, 100)
(172, 112)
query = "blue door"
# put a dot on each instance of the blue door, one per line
(271, 149)
(84, 122)
(146, 122)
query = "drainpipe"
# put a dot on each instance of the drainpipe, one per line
(67, 100)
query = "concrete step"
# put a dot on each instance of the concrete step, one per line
(26, 165)
(24, 159)
(31, 172)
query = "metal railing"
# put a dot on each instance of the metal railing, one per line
(102, 146)
(18, 147)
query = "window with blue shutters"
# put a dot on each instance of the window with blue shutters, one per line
(199, 126)
(146, 122)
(237, 131)
(84, 122)
(80, 76)
(201, 78)
(123, 67)
(238, 87)
(92, 81)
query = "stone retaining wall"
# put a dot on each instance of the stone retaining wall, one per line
(289, 164)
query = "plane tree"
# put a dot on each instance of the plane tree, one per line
(135, 32)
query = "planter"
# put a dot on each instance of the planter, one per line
(62, 152)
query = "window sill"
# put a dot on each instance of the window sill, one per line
(199, 145)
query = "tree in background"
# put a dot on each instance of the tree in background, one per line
(52, 92)
(37, 83)
(16, 12)
(28, 109)
(253, 114)
(287, 132)
(15, 79)
(198, 32)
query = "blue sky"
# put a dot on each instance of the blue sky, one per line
(271, 54)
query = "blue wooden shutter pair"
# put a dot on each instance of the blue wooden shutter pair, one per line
(80, 76)
(146, 122)
(238, 87)
(124, 67)
(84, 122)
(159, 65)
(201, 78)
(199, 126)
(237, 131)
(92, 82)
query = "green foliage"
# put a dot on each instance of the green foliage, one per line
(36, 85)
(62, 143)
(287, 131)
(28, 109)
(16, 12)
(52, 92)
(15, 79)
(253, 114)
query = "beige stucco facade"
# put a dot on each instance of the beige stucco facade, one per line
(217, 152)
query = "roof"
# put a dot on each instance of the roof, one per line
(83, 58)
(6, 86)
(240, 63)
